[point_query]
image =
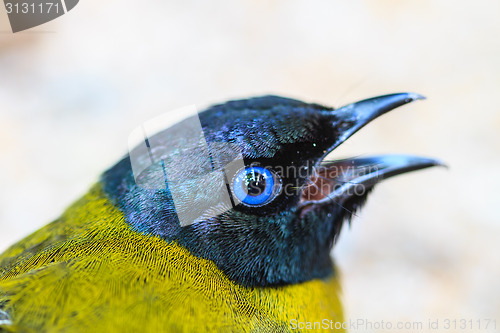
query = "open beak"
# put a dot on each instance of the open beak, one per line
(339, 180)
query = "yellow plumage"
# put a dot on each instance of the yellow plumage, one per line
(88, 271)
(259, 264)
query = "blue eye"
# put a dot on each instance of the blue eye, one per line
(255, 186)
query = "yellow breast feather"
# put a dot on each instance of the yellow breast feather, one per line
(89, 271)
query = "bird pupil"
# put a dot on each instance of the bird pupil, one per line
(254, 184)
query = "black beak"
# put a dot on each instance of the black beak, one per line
(342, 179)
(351, 118)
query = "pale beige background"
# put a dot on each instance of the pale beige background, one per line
(426, 245)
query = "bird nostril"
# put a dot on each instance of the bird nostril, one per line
(343, 125)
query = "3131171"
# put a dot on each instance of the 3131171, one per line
(32, 8)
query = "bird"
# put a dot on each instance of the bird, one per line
(222, 222)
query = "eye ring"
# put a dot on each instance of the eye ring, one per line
(255, 186)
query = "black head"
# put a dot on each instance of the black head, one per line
(245, 184)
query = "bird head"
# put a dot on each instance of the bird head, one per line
(246, 184)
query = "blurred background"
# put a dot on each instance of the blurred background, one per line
(426, 245)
